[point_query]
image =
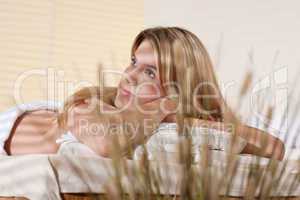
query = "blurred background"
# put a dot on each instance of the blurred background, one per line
(261, 36)
(51, 48)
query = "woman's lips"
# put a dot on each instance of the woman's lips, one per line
(125, 92)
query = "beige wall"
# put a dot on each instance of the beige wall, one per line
(241, 35)
(50, 47)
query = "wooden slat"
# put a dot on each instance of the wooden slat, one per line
(83, 196)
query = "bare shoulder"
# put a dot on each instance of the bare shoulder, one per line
(33, 132)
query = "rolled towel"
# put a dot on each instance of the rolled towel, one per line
(164, 142)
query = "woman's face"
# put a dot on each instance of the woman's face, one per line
(140, 82)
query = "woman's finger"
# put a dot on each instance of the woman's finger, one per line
(161, 106)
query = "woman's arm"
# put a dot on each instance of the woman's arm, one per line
(259, 142)
(99, 130)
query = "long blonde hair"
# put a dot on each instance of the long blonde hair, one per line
(182, 59)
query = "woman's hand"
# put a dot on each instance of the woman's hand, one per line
(153, 112)
(139, 122)
(96, 123)
(259, 142)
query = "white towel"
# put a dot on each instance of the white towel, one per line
(46, 176)
(163, 144)
(30, 176)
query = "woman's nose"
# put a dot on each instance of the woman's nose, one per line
(131, 77)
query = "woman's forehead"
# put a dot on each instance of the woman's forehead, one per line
(145, 53)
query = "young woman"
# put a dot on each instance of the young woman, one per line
(165, 61)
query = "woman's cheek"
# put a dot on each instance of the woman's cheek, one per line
(148, 93)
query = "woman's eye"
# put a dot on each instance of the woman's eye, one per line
(150, 73)
(133, 61)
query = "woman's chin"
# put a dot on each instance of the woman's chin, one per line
(123, 103)
(128, 102)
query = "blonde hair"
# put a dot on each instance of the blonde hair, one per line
(182, 59)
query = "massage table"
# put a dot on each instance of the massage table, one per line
(72, 176)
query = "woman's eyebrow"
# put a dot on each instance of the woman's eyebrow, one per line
(151, 66)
